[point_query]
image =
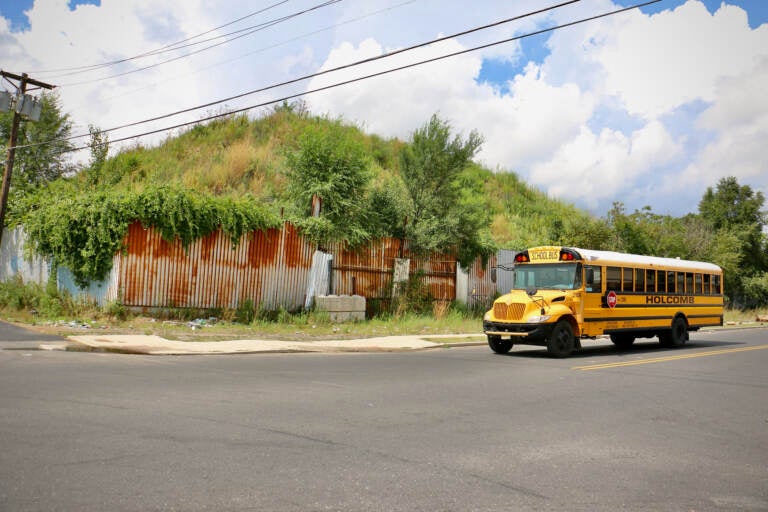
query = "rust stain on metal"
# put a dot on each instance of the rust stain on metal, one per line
(210, 273)
(270, 268)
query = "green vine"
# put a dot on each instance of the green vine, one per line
(84, 232)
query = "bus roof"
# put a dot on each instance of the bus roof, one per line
(619, 258)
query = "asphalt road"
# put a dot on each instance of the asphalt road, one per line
(441, 430)
(13, 336)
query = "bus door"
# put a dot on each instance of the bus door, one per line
(592, 301)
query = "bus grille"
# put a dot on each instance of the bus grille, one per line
(513, 311)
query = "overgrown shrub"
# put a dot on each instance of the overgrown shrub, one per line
(84, 231)
(413, 296)
(45, 301)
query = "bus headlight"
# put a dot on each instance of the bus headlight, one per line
(538, 319)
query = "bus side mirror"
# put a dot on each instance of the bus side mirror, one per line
(590, 276)
(493, 275)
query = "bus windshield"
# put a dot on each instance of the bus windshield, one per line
(548, 276)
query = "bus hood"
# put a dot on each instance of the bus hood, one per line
(518, 306)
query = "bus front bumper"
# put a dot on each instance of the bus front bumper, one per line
(525, 332)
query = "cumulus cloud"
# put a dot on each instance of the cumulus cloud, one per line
(593, 167)
(628, 107)
(657, 63)
(397, 103)
(739, 119)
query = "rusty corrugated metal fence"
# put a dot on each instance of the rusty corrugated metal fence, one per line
(271, 268)
(268, 267)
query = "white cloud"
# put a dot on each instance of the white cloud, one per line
(396, 104)
(739, 119)
(591, 123)
(658, 63)
(593, 167)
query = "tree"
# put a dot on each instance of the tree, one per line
(330, 166)
(734, 212)
(38, 164)
(99, 147)
(628, 235)
(448, 209)
(731, 204)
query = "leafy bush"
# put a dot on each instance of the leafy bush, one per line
(45, 301)
(84, 231)
(413, 297)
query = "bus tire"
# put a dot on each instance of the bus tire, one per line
(499, 345)
(677, 335)
(622, 340)
(561, 342)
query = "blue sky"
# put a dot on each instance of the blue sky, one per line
(648, 107)
(757, 10)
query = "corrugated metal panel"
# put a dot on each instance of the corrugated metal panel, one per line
(99, 292)
(268, 267)
(481, 290)
(439, 273)
(365, 271)
(13, 261)
(319, 281)
(368, 270)
(504, 281)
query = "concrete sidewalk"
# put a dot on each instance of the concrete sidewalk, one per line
(155, 345)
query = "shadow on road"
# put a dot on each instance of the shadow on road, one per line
(649, 347)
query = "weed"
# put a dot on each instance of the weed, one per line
(245, 312)
(116, 310)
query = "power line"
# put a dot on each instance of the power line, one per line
(259, 27)
(259, 50)
(90, 67)
(319, 73)
(372, 75)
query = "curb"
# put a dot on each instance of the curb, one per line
(79, 346)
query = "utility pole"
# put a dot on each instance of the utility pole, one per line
(17, 112)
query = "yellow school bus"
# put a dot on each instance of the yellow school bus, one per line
(562, 295)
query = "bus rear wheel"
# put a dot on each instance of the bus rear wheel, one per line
(499, 345)
(561, 342)
(622, 340)
(677, 335)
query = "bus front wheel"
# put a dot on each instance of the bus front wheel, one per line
(561, 342)
(677, 335)
(499, 345)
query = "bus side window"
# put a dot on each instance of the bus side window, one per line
(716, 284)
(639, 280)
(681, 282)
(707, 284)
(626, 282)
(698, 285)
(670, 282)
(594, 279)
(662, 284)
(613, 278)
(689, 283)
(650, 281)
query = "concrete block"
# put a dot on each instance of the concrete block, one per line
(342, 308)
